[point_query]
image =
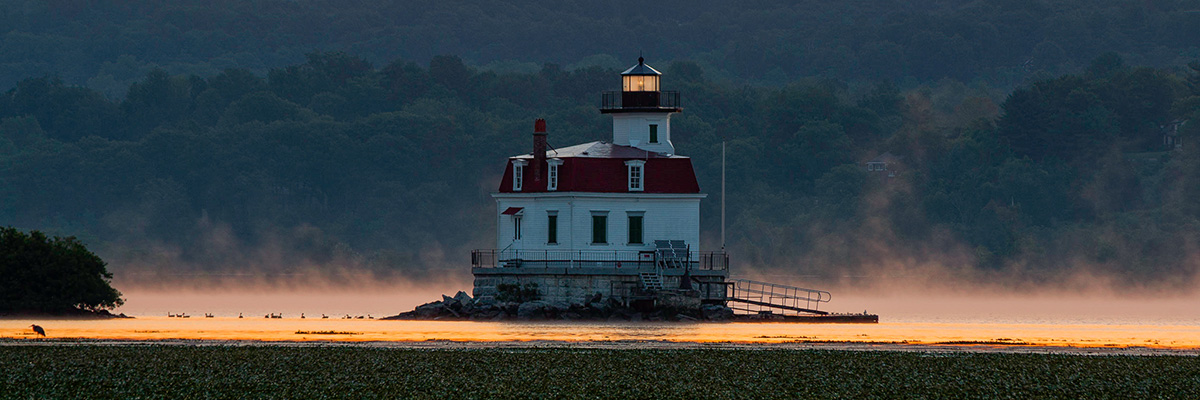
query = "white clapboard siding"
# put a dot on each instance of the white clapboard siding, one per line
(666, 217)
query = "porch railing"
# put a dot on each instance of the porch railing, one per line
(511, 258)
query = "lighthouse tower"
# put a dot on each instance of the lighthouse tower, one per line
(617, 218)
(642, 117)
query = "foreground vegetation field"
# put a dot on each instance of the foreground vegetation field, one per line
(316, 372)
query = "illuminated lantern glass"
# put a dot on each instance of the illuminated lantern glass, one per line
(640, 83)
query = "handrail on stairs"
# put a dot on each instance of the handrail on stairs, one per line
(775, 297)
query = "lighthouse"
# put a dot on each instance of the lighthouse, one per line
(618, 217)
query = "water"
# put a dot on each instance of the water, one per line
(1172, 323)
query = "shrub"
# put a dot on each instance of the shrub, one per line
(52, 275)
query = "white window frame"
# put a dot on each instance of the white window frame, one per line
(518, 178)
(635, 175)
(552, 173)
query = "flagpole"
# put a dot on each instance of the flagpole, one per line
(722, 195)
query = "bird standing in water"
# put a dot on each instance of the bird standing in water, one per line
(38, 330)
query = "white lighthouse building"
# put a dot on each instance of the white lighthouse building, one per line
(618, 217)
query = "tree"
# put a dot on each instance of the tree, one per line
(52, 275)
(160, 99)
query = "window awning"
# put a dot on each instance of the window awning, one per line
(512, 211)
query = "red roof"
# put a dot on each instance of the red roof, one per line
(600, 167)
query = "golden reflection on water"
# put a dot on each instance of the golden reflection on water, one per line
(1038, 321)
(294, 329)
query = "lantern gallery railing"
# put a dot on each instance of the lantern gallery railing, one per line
(614, 100)
(509, 258)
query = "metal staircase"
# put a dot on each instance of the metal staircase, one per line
(762, 298)
(652, 281)
(671, 253)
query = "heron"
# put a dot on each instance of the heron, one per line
(38, 330)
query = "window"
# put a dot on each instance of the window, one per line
(600, 228)
(636, 175)
(516, 227)
(552, 229)
(518, 174)
(635, 229)
(653, 133)
(552, 174)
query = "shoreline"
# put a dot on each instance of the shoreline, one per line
(439, 344)
(74, 316)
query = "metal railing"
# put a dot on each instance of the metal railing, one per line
(759, 297)
(513, 258)
(616, 100)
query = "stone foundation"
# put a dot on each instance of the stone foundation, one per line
(581, 285)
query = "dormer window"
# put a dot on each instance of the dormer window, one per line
(552, 173)
(518, 178)
(637, 176)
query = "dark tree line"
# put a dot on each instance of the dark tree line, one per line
(108, 45)
(337, 162)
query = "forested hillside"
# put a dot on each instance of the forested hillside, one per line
(108, 45)
(338, 162)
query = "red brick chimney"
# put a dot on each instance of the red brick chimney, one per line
(539, 148)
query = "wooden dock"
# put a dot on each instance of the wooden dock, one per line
(809, 319)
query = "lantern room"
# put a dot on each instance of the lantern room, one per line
(640, 92)
(640, 78)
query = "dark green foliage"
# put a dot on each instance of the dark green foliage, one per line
(108, 45)
(334, 163)
(51, 275)
(362, 372)
(1081, 117)
(64, 112)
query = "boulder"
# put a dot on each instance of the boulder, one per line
(428, 310)
(598, 306)
(480, 300)
(463, 297)
(714, 312)
(531, 309)
(559, 306)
